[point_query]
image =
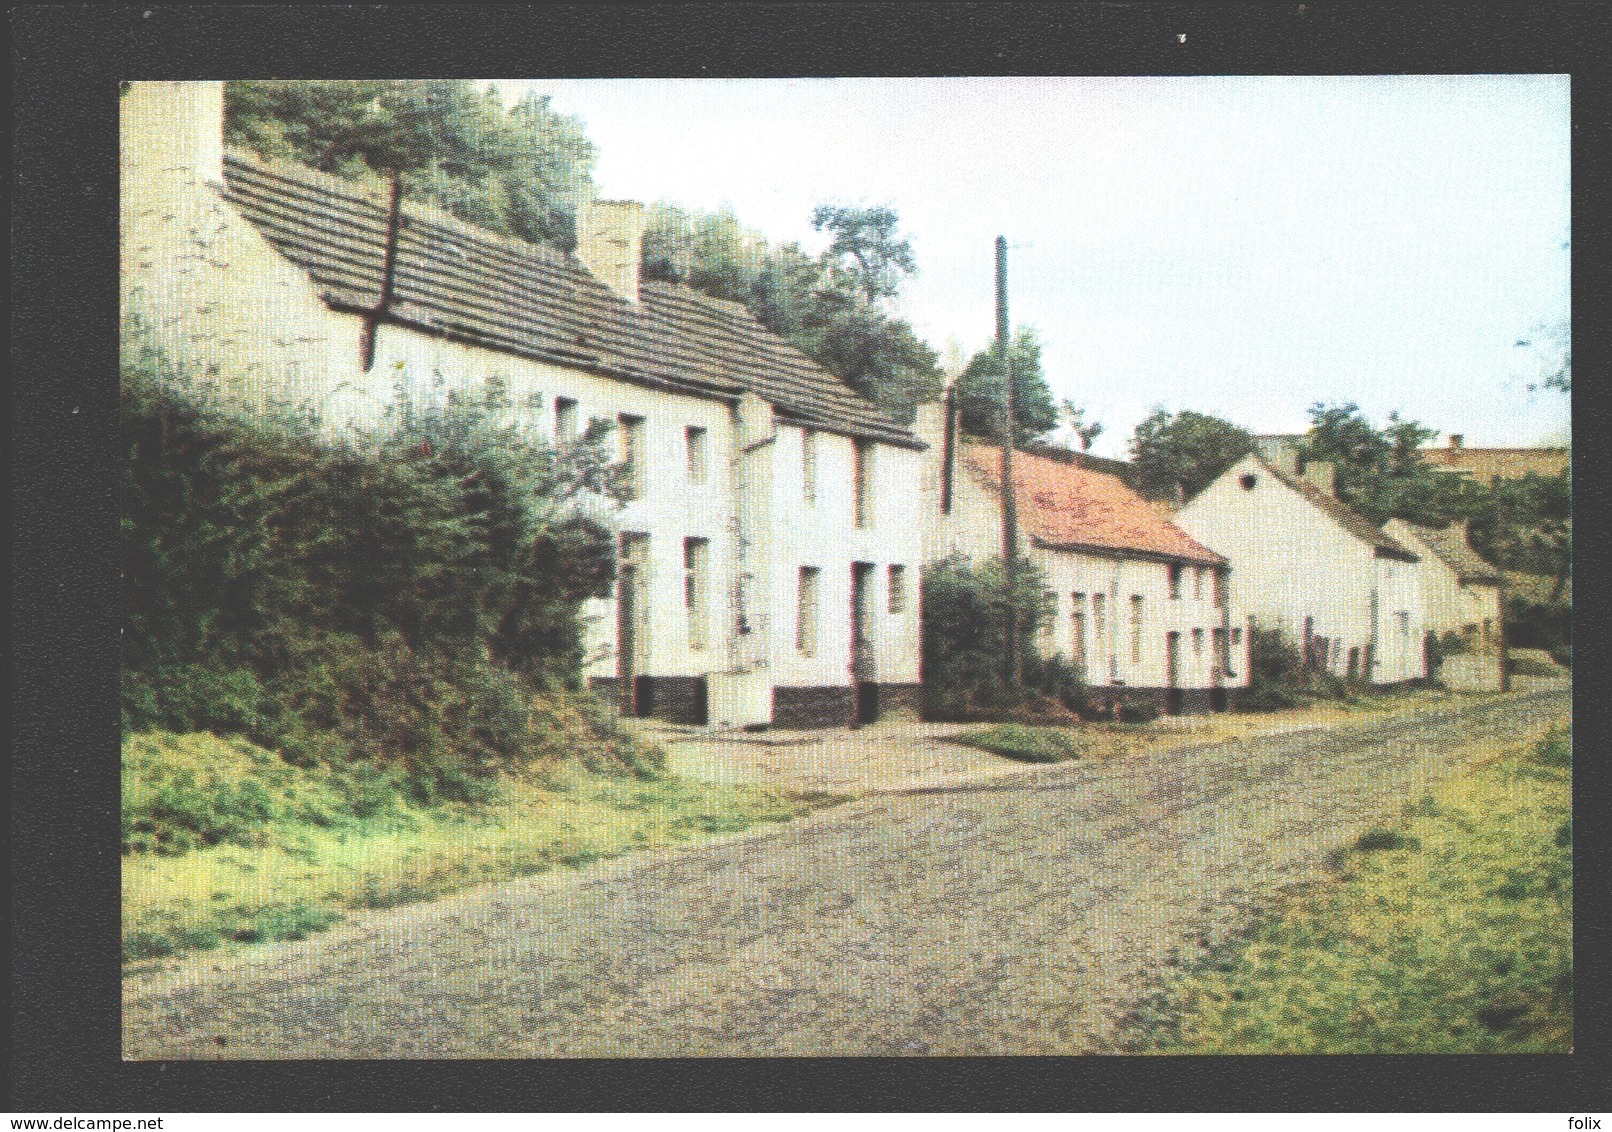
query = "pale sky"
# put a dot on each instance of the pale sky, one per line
(1237, 246)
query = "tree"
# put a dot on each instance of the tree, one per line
(979, 391)
(1184, 451)
(710, 251)
(867, 245)
(1380, 472)
(1555, 343)
(520, 172)
(1074, 417)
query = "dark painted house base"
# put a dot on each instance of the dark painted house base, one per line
(1188, 701)
(683, 699)
(833, 706)
(676, 699)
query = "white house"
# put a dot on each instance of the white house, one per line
(1307, 563)
(1142, 608)
(1461, 594)
(769, 556)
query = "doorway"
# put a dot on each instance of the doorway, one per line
(1172, 663)
(863, 675)
(632, 686)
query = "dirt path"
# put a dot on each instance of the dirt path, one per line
(1019, 916)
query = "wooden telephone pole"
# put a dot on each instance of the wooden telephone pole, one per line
(1012, 668)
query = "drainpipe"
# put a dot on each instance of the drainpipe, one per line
(1376, 658)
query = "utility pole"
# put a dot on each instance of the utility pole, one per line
(1012, 669)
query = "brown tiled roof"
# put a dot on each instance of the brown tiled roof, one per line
(1452, 548)
(1064, 506)
(1345, 516)
(459, 281)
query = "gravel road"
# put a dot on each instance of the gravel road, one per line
(1017, 916)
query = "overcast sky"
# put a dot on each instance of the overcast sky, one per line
(1238, 246)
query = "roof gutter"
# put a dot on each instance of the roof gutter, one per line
(1127, 552)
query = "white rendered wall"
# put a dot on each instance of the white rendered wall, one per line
(203, 286)
(823, 533)
(973, 530)
(1289, 560)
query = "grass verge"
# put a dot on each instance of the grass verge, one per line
(1023, 742)
(233, 845)
(1448, 933)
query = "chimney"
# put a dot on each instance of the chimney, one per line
(1322, 474)
(1284, 457)
(171, 127)
(1459, 527)
(1455, 440)
(610, 243)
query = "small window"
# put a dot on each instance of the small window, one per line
(1404, 622)
(806, 612)
(808, 467)
(1136, 628)
(898, 589)
(1175, 581)
(1248, 481)
(1197, 642)
(1236, 636)
(863, 474)
(565, 422)
(1220, 588)
(695, 588)
(696, 454)
(1197, 583)
(631, 434)
(1077, 627)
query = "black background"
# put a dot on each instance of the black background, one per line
(67, 63)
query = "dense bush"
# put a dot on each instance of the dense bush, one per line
(1275, 668)
(395, 602)
(1137, 713)
(1540, 625)
(963, 643)
(1278, 677)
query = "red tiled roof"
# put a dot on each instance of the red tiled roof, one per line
(1065, 506)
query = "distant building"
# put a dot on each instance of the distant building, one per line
(1488, 464)
(1305, 562)
(1461, 594)
(1141, 607)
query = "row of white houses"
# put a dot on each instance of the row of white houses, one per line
(771, 551)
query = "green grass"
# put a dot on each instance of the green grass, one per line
(1023, 742)
(1451, 933)
(198, 874)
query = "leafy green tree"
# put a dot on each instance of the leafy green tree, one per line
(965, 609)
(979, 391)
(1184, 451)
(1380, 471)
(519, 172)
(867, 245)
(710, 251)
